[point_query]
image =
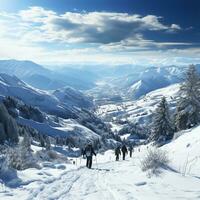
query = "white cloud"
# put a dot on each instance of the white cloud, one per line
(36, 14)
(91, 27)
(175, 27)
(109, 37)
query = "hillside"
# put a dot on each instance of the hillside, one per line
(138, 111)
(47, 101)
(59, 113)
(21, 68)
(136, 84)
(40, 77)
(116, 180)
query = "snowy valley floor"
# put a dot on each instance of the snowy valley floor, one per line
(110, 180)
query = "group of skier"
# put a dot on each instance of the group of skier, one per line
(124, 151)
(88, 152)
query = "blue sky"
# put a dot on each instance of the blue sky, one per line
(145, 32)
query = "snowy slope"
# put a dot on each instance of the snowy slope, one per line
(145, 86)
(139, 111)
(65, 128)
(150, 79)
(67, 103)
(113, 180)
(43, 78)
(72, 97)
(137, 83)
(12, 86)
(21, 68)
(184, 152)
(47, 101)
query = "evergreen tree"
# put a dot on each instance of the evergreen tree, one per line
(12, 130)
(42, 141)
(48, 143)
(188, 106)
(2, 134)
(162, 126)
(26, 142)
(9, 126)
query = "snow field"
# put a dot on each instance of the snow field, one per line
(111, 180)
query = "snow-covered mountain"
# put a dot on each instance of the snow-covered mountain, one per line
(137, 83)
(43, 78)
(154, 78)
(66, 112)
(44, 82)
(12, 86)
(138, 111)
(21, 68)
(34, 74)
(105, 83)
(145, 86)
(72, 97)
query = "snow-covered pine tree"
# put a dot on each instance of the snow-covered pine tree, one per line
(42, 141)
(20, 157)
(9, 125)
(25, 152)
(162, 125)
(12, 130)
(48, 143)
(188, 106)
(26, 142)
(2, 134)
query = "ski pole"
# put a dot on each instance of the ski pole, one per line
(96, 163)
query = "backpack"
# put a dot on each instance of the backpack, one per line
(88, 152)
(124, 149)
(117, 151)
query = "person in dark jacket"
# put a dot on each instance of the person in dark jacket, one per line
(124, 151)
(131, 150)
(82, 152)
(89, 152)
(117, 153)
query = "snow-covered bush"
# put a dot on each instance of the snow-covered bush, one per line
(20, 156)
(3, 163)
(154, 160)
(51, 156)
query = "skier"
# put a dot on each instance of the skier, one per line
(89, 152)
(117, 153)
(124, 151)
(131, 150)
(83, 152)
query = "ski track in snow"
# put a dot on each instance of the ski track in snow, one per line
(111, 180)
(84, 184)
(121, 180)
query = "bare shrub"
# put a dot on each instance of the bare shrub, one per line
(154, 161)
